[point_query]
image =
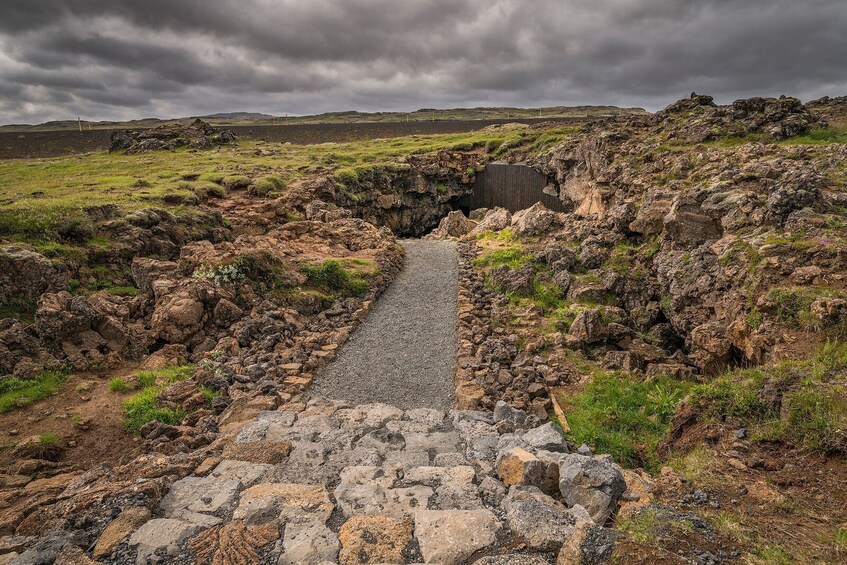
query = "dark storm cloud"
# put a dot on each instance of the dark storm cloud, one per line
(108, 59)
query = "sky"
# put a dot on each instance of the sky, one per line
(116, 59)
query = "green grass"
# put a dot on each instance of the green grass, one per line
(772, 555)
(841, 537)
(144, 407)
(544, 294)
(642, 527)
(331, 276)
(18, 393)
(624, 416)
(49, 440)
(811, 414)
(119, 385)
(43, 200)
(819, 137)
(626, 260)
(118, 290)
(267, 185)
(791, 305)
(208, 393)
(513, 257)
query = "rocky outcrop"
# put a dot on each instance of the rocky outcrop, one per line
(493, 220)
(25, 274)
(410, 197)
(698, 119)
(704, 223)
(89, 331)
(535, 220)
(197, 135)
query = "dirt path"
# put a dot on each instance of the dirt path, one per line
(404, 353)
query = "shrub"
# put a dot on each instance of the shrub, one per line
(221, 274)
(333, 277)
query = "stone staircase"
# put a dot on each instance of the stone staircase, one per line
(326, 482)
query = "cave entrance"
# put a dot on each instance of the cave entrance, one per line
(514, 186)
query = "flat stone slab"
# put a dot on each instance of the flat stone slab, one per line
(452, 536)
(161, 533)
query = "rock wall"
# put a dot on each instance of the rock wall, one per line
(723, 222)
(409, 198)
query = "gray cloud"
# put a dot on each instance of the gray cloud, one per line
(114, 59)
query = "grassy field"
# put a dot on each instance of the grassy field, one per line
(40, 197)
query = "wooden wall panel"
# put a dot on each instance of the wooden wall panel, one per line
(513, 187)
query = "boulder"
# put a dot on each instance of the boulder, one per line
(593, 482)
(589, 544)
(146, 271)
(495, 220)
(687, 225)
(226, 313)
(547, 437)
(535, 220)
(503, 411)
(161, 534)
(26, 274)
(588, 327)
(374, 539)
(512, 280)
(455, 224)
(198, 135)
(517, 466)
(308, 542)
(450, 537)
(177, 317)
(540, 522)
(118, 529)
(562, 279)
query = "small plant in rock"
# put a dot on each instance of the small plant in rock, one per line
(221, 275)
(144, 406)
(46, 446)
(332, 276)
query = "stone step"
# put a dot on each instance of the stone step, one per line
(367, 482)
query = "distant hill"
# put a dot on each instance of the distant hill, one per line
(238, 116)
(348, 117)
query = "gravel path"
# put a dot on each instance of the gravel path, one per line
(404, 353)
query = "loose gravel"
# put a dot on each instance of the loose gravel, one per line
(404, 353)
